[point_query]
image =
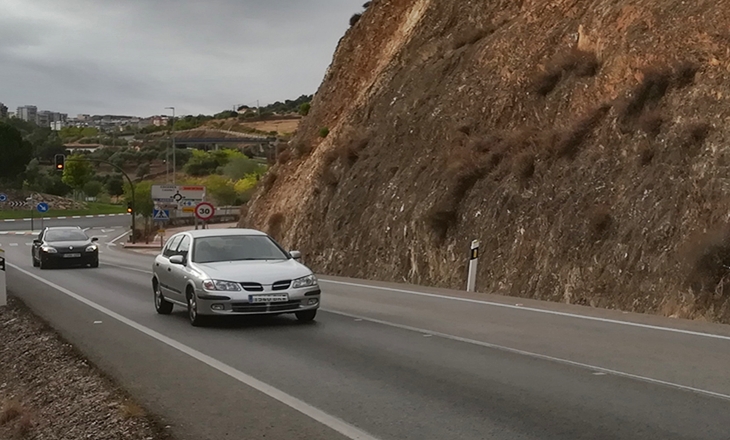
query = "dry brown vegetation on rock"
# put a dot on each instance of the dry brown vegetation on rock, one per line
(583, 153)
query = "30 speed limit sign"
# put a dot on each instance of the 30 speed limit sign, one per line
(204, 211)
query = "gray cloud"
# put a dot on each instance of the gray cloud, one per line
(139, 56)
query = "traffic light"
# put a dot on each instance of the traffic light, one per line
(60, 162)
(129, 208)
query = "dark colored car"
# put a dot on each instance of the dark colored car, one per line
(64, 246)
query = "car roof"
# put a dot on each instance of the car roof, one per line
(55, 228)
(201, 233)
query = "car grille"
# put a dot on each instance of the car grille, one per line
(281, 285)
(252, 287)
(264, 308)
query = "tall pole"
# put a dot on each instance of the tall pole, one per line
(173, 143)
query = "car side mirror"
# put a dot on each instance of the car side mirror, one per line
(95, 239)
(296, 255)
(36, 241)
(177, 259)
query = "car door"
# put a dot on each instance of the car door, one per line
(163, 266)
(179, 273)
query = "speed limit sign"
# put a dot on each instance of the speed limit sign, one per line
(204, 211)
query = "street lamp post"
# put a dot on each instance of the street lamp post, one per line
(173, 142)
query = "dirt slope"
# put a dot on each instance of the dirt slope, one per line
(584, 142)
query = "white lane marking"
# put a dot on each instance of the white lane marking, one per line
(119, 238)
(29, 244)
(536, 310)
(62, 218)
(89, 216)
(538, 356)
(76, 216)
(9, 220)
(13, 244)
(105, 231)
(317, 414)
(101, 215)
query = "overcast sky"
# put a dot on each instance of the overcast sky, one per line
(136, 57)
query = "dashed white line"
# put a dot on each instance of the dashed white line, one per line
(13, 244)
(76, 216)
(538, 356)
(535, 310)
(62, 218)
(89, 216)
(9, 220)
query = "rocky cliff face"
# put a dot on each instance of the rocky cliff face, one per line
(585, 143)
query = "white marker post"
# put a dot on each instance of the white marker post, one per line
(471, 281)
(3, 291)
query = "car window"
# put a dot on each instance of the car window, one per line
(184, 247)
(171, 246)
(65, 235)
(236, 248)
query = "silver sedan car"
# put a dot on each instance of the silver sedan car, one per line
(228, 272)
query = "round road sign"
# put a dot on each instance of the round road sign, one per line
(204, 211)
(3, 198)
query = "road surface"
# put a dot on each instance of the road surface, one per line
(389, 361)
(83, 221)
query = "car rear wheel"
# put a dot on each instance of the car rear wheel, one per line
(195, 318)
(306, 316)
(163, 306)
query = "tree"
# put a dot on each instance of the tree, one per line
(143, 204)
(221, 189)
(240, 167)
(143, 170)
(304, 108)
(201, 164)
(78, 171)
(115, 185)
(15, 153)
(93, 188)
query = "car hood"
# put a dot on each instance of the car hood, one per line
(68, 244)
(263, 272)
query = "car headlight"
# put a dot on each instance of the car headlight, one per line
(49, 250)
(91, 248)
(308, 281)
(226, 286)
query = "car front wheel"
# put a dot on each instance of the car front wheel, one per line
(195, 318)
(306, 316)
(163, 306)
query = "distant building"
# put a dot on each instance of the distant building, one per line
(28, 113)
(3, 111)
(83, 117)
(159, 121)
(43, 118)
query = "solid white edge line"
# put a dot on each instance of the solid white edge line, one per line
(536, 355)
(536, 310)
(310, 411)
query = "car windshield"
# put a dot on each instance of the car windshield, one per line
(236, 248)
(65, 235)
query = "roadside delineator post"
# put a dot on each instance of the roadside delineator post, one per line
(471, 280)
(3, 287)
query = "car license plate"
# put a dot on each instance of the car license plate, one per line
(71, 255)
(272, 298)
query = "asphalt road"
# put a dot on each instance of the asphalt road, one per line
(389, 361)
(83, 221)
